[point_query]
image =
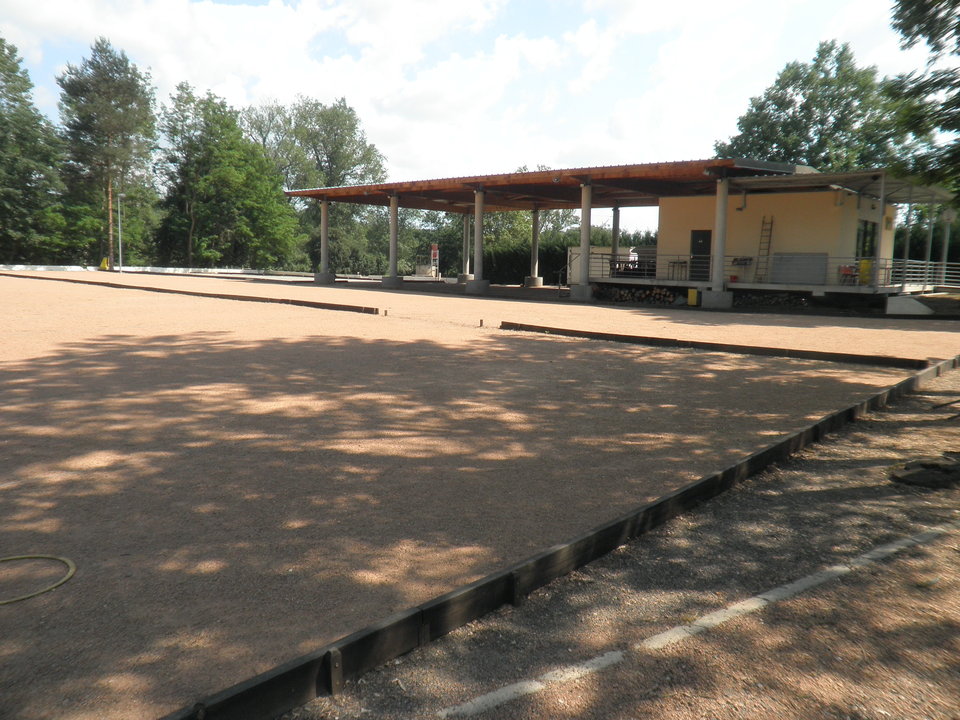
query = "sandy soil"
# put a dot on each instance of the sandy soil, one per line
(877, 644)
(922, 338)
(240, 483)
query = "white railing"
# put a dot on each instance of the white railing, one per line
(800, 269)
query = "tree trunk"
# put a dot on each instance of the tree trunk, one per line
(110, 222)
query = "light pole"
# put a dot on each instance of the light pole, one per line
(120, 198)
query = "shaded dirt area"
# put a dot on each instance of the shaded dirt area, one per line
(241, 483)
(882, 642)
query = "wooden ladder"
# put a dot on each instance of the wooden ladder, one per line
(763, 253)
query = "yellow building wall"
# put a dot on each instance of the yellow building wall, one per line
(802, 222)
(811, 222)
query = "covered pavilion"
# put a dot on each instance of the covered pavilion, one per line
(615, 187)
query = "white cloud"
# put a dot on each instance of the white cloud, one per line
(450, 88)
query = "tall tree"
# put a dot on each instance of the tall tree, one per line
(313, 144)
(107, 112)
(935, 93)
(224, 199)
(30, 221)
(830, 114)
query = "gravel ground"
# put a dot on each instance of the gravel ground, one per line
(880, 643)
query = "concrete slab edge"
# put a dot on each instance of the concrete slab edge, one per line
(906, 363)
(324, 671)
(217, 296)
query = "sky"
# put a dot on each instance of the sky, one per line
(449, 88)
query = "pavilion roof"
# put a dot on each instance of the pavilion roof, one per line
(617, 186)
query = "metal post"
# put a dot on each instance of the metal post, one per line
(928, 251)
(720, 235)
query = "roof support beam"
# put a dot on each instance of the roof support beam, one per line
(392, 278)
(466, 249)
(581, 291)
(324, 277)
(477, 286)
(534, 280)
(720, 235)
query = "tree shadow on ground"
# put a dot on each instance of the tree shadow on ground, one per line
(826, 506)
(231, 504)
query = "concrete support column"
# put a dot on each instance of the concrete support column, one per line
(717, 296)
(324, 277)
(908, 226)
(876, 276)
(477, 286)
(947, 217)
(615, 232)
(720, 236)
(392, 279)
(534, 280)
(465, 273)
(928, 251)
(581, 290)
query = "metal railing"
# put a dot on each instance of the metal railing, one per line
(798, 269)
(682, 268)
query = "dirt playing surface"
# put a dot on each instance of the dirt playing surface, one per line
(881, 642)
(240, 483)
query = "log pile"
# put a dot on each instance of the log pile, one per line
(644, 295)
(770, 299)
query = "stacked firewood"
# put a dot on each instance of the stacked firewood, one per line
(645, 295)
(755, 299)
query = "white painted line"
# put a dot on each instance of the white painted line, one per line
(680, 633)
(528, 687)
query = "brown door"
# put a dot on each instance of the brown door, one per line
(700, 241)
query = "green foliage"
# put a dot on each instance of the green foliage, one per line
(31, 222)
(829, 114)
(224, 202)
(106, 108)
(934, 95)
(312, 144)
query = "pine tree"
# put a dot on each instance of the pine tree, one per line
(106, 108)
(30, 188)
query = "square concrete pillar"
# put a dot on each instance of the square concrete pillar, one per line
(581, 293)
(477, 287)
(717, 299)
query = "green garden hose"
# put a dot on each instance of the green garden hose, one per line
(71, 569)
